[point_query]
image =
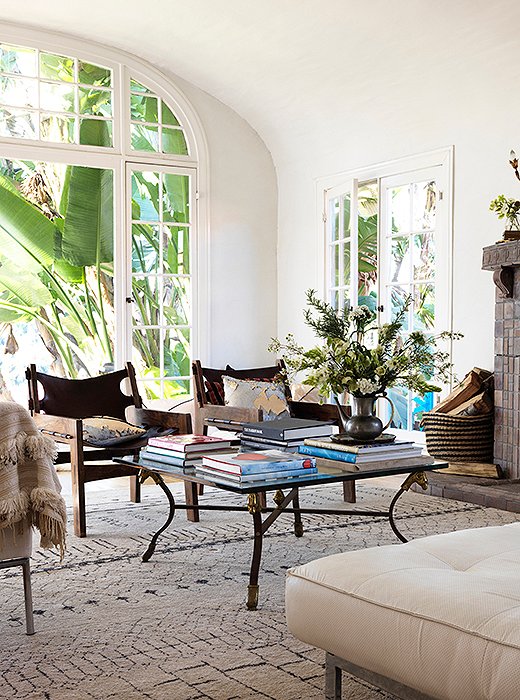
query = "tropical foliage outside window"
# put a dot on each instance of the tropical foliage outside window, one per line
(57, 226)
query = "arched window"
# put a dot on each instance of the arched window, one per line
(101, 258)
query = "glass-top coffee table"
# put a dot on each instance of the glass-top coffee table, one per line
(286, 500)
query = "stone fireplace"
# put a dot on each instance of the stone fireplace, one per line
(504, 260)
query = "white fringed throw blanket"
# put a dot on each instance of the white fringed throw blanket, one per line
(29, 485)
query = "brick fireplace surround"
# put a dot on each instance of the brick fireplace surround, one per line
(503, 259)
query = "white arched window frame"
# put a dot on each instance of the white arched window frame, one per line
(120, 158)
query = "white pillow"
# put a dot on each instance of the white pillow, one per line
(267, 396)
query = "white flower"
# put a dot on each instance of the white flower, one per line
(360, 312)
(367, 386)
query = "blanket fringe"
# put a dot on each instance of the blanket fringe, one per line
(49, 516)
(24, 446)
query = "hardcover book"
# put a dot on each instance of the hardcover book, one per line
(331, 466)
(367, 448)
(252, 478)
(358, 459)
(178, 459)
(257, 462)
(189, 443)
(289, 428)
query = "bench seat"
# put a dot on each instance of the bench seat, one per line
(440, 615)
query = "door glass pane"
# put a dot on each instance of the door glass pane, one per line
(145, 248)
(176, 300)
(177, 352)
(400, 260)
(423, 307)
(423, 256)
(399, 206)
(175, 201)
(55, 218)
(145, 196)
(424, 205)
(176, 249)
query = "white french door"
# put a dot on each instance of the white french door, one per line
(159, 290)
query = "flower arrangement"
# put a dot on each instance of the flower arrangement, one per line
(345, 363)
(508, 208)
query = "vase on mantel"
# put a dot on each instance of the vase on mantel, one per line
(363, 425)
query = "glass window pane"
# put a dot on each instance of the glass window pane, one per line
(145, 248)
(176, 250)
(421, 405)
(334, 213)
(334, 298)
(18, 59)
(57, 97)
(346, 216)
(173, 141)
(400, 398)
(90, 74)
(176, 300)
(144, 108)
(95, 132)
(424, 256)
(138, 87)
(400, 260)
(175, 200)
(144, 138)
(424, 205)
(145, 196)
(423, 307)
(334, 266)
(176, 352)
(398, 296)
(95, 101)
(346, 266)
(400, 209)
(146, 295)
(146, 351)
(56, 128)
(18, 92)
(18, 124)
(56, 67)
(168, 117)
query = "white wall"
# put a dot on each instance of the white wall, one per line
(243, 232)
(472, 105)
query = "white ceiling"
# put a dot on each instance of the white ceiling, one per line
(296, 69)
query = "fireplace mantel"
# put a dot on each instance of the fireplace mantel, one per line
(502, 258)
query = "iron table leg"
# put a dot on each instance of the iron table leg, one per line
(255, 508)
(419, 478)
(160, 482)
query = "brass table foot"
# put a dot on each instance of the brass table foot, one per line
(252, 596)
(418, 478)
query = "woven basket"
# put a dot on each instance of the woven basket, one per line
(459, 438)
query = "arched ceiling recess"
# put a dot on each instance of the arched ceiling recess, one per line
(297, 69)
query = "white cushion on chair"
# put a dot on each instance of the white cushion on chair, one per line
(439, 614)
(16, 541)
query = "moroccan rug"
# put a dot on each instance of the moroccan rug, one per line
(109, 627)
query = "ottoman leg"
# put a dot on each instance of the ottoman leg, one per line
(332, 679)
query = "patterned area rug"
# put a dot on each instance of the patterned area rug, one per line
(111, 628)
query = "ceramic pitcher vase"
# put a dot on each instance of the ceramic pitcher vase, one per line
(363, 425)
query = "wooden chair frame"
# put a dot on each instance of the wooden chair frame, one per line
(69, 431)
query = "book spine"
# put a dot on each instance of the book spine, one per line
(327, 453)
(358, 449)
(259, 467)
(266, 445)
(267, 432)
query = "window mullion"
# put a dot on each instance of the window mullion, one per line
(354, 244)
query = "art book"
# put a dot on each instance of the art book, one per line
(257, 462)
(364, 449)
(341, 456)
(289, 428)
(251, 478)
(189, 443)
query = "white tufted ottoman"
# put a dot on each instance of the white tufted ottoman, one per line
(438, 617)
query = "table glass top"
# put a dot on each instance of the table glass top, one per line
(325, 475)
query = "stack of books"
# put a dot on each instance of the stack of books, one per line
(371, 455)
(283, 433)
(180, 451)
(248, 467)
